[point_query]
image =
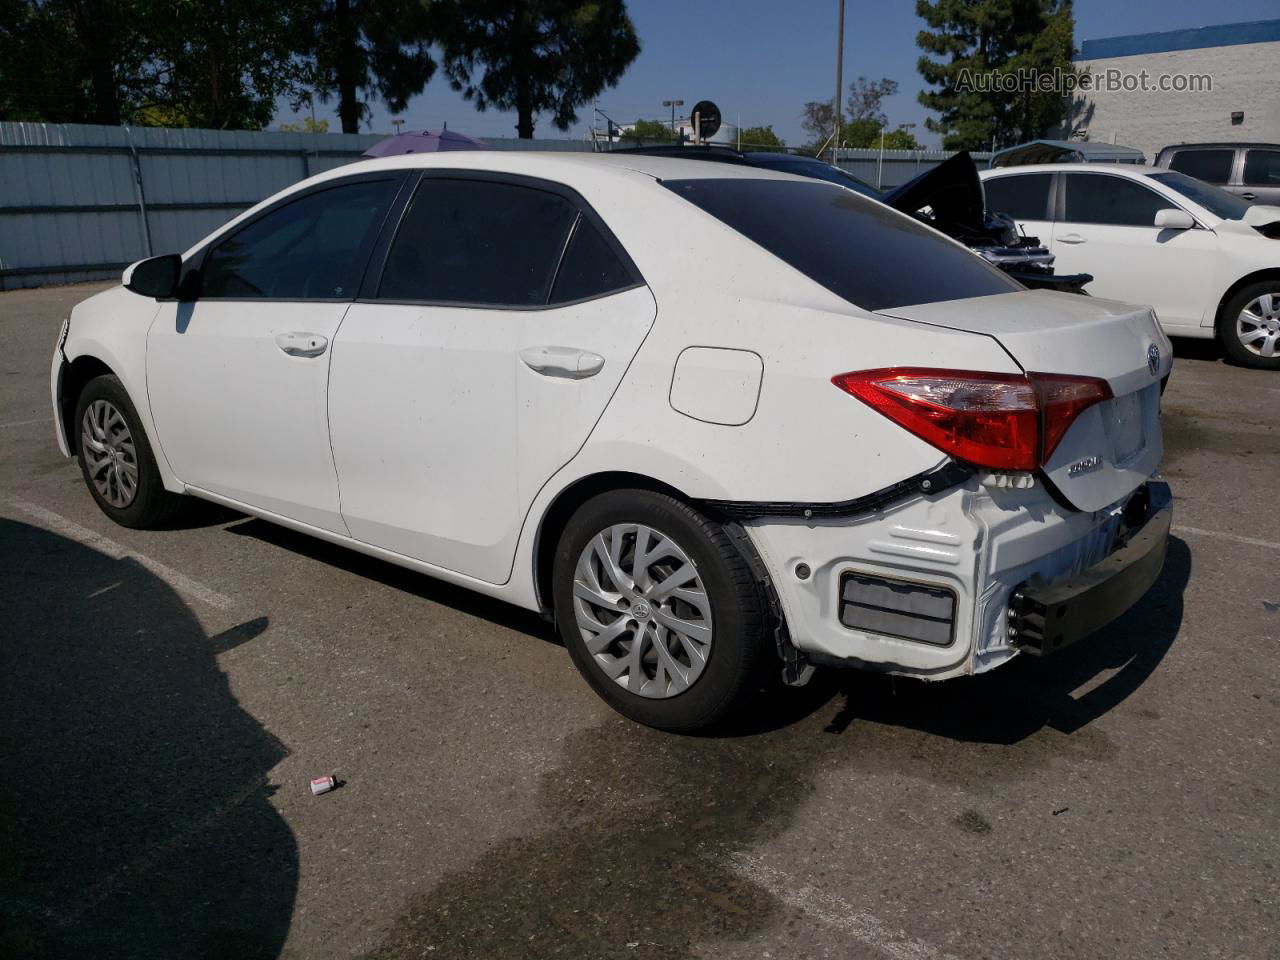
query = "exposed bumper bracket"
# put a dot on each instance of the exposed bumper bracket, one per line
(1044, 617)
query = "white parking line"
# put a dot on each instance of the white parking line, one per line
(836, 912)
(1251, 541)
(83, 535)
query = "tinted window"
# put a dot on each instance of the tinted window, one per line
(815, 169)
(1262, 168)
(859, 249)
(590, 267)
(1214, 199)
(477, 241)
(313, 248)
(1211, 166)
(1024, 197)
(1100, 198)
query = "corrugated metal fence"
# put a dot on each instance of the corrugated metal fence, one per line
(81, 202)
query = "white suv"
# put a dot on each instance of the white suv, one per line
(705, 418)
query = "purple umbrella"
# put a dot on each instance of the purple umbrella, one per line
(424, 141)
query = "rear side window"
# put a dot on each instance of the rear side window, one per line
(478, 242)
(1211, 166)
(859, 249)
(1021, 196)
(590, 267)
(1099, 198)
(312, 248)
(1262, 168)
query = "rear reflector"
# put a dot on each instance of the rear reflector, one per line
(999, 421)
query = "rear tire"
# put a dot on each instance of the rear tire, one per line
(116, 460)
(1249, 327)
(638, 567)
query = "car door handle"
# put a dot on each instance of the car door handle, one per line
(1249, 196)
(299, 344)
(568, 363)
(1071, 238)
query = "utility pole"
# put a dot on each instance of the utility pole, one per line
(673, 104)
(397, 123)
(835, 140)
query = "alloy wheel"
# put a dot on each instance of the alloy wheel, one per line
(642, 610)
(109, 455)
(1258, 325)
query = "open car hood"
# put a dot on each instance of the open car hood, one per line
(952, 190)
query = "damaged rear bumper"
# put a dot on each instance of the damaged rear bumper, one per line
(1045, 616)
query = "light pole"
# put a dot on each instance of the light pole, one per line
(880, 164)
(673, 104)
(397, 123)
(835, 138)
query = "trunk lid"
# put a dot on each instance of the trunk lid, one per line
(1114, 446)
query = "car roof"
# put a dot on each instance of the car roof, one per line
(1133, 168)
(566, 165)
(1222, 145)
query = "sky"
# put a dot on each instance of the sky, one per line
(761, 60)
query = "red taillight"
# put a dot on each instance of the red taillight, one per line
(999, 421)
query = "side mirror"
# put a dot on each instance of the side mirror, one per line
(1174, 219)
(156, 277)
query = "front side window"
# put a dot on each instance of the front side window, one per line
(1103, 199)
(1211, 166)
(1021, 196)
(1262, 168)
(1214, 199)
(861, 250)
(312, 248)
(478, 242)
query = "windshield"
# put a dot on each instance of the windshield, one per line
(1217, 201)
(814, 169)
(860, 250)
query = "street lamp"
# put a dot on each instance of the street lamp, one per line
(880, 163)
(673, 104)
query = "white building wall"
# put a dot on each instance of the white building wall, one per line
(1244, 79)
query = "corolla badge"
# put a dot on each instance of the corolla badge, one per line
(1153, 359)
(1084, 466)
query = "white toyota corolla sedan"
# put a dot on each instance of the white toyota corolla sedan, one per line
(708, 419)
(1207, 260)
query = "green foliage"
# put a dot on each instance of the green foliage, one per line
(176, 62)
(984, 35)
(864, 116)
(306, 125)
(899, 140)
(647, 131)
(363, 49)
(534, 56)
(760, 137)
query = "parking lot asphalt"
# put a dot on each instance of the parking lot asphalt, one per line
(166, 697)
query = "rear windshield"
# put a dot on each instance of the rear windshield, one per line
(1214, 199)
(857, 248)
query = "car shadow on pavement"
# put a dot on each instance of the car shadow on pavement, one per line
(134, 812)
(1019, 699)
(399, 578)
(1189, 348)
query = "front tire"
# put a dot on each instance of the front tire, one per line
(116, 460)
(660, 612)
(1249, 327)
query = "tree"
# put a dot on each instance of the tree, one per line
(866, 97)
(819, 121)
(760, 137)
(900, 140)
(535, 56)
(68, 61)
(306, 125)
(971, 38)
(219, 65)
(647, 130)
(361, 49)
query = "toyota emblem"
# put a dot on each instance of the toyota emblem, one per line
(1153, 359)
